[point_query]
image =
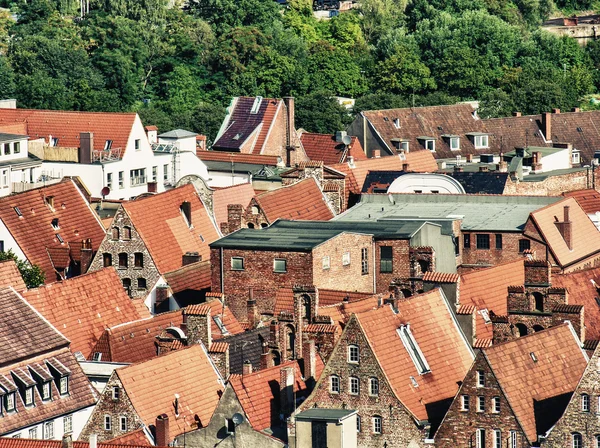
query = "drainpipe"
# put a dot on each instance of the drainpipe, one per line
(222, 281)
(374, 267)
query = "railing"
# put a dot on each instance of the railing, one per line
(137, 180)
(20, 187)
(106, 155)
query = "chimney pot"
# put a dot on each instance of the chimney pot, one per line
(483, 169)
(190, 257)
(252, 311)
(67, 441)
(405, 167)
(556, 111)
(376, 153)
(576, 109)
(247, 368)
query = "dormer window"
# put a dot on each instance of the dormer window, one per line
(480, 140)
(55, 224)
(575, 157)
(186, 212)
(256, 105)
(46, 391)
(29, 396)
(108, 145)
(9, 402)
(54, 141)
(400, 144)
(411, 346)
(397, 123)
(64, 385)
(428, 143)
(454, 144)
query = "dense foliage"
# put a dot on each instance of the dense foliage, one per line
(179, 66)
(32, 274)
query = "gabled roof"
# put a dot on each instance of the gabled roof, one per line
(192, 277)
(488, 289)
(238, 194)
(170, 237)
(559, 363)
(66, 126)
(235, 157)
(24, 333)
(151, 386)
(137, 438)
(284, 300)
(81, 307)
(440, 339)
(325, 148)
(258, 392)
(177, 133)
(302, 200)
(33, 230)
(242, 124)
(221, 311)
(10, 275)
(81, 393)
(585, 236)
(588, 200)
(121, 442)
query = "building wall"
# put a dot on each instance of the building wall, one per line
(7, 240)
(459, 427)
(339, 276)
(431, 235)
(398, 427)
(400, 263)
(554, 185)
(258, 274)
(339, 435)
(493, 256)
(79, 419)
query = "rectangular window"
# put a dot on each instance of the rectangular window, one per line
(121, 179)
(354, 385)
(326, 262)
(138, 260)
(498, 241)
(364, 260)
(480, 404)
(33, 433)
(430, 145)
(109, 180)
(497, 438)
(334, 384)
(137, 144)
(353, 354)
(496, 405)
(237, 264)
(412, 347)
(404, 146)
(7, 149)
(107, 423)
(524, 245)
(154, 173)
(386, 262)
(10, 402)
(166, 173)
(513, 439)
(377, 425)
(29, 396)
(46, 391)
(480, 378)
(137, 177)
(345, 258)
(480, 438)
(464, 403)
(454, 143)
(467, 241)
(481, 141)
(49, 430)
(68, 424)
(17, 147)
(64, 385)
(123, 423)
(4, 178)
(280, 265)
(483, 241)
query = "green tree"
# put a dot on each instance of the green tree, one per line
(32, 274)
(376, 101)
(319, 112)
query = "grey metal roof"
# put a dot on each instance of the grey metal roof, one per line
(214, 165)
(325, 414)
(10, 137)
(478, 212)
(178, 133)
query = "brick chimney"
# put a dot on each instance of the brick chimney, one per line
(376, 153)
(252, 309)
(162, 430)
(198, 326)
(200, 144)
(86, 147)
(67, 441)
(86, 255)
(274, 333)
(537, 272)
(190, 257)
(290, 140)
(247, 368)
(576, 109)
(547, 125)
(266, 358)
(565, 227)
(234, 217)
(309, 360)
(152, 187)
(286, 390)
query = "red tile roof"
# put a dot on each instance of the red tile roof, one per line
(588, 200)
(585, 236)
(169, 237)
(66, 125)
(258, 392)
(300, 201)
(558, 366)
(194, 276)
(10, 275)
(324, 147)
(151, 386)
(231, 324)
(136, 438)
(341, 312)
(33, 231)
(81, 307)
(121, 442)
(284, 300)
(440, 277)
(436, 332)
(488, 289)
(236, 157)
(237, 194)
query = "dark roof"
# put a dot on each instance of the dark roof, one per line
(325, 414)
(245, 346)
(10, 137)
(177, 133)
(486, 183)
(379, 181)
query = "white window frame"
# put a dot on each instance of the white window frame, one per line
(480, 378)
(497, 438)
(465, 403)
(68, 424)
(326, 262)
(46, 390)
(123, 423)
(116, 392)
(480, 403)
(353, 385)
(405, 146)
(334, 384)
(430, 145)
(374, 387)
(413, 349)
(107, 422)
(480, 438)
(346, 259)
(575, 156)
(279, 270)
(64, 385)
(454, 143)
(513, 439)
(585, 403)
(49, 430)
(481, 141)
(29, 396)
(574, 443)
(496, 405)
(33, 433)
(10, 402)
(353, 350)
(377, 424)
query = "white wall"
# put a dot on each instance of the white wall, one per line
(80, 418)
(151, 297)
(9, 241)
(426, 183)
(13, 156)
(222, 179)
(558, 161)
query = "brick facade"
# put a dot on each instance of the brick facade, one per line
(553, 185)
(331, 182)
(122, 238)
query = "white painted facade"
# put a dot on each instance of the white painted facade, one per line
(16, 172)
(56, 425)
(426, 183)
(559, 160)
(7, 242)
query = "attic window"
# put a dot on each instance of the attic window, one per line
(237, 136)
(221, 326)
(579, 130)
(397, 123)
(533, 357)
(575, 156)
(486, 315)
(386, 119)
(411, 346)
(97, 356)
(414, 381)
(59, 238)
(54, 224)
(18, 211)
(186, 211)
(108, 145)
(54, 141)
(256, 105)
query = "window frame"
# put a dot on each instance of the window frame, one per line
(576, 440)
(107, 422)
(123, 427)
(386, 264)
(279, 261)
(49, 430)
(116, 393)
(524, 242)
(466, 240)
(465, 403)
(480, 378)
(123, 260)
(10, 402)
(374, 386)
(585, 403)
(495, 405)
(68, 424)
(364, 261)
(64, 385)
(497, 442)
(233, 263)
(28, 399)
(46, 390)
(513, 439)
(346, 258)
(429, 144)
(334, 384)
(326, 262)
(482, 241)
(480, 403)
(480, 438)
(138, 260)
(353, 352)
(498, 241)
(481, 141)
(451, 143)
(354, 385)
(377, 423)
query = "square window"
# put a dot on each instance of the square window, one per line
(386, 261)
(237, 264)
(326, 262)
(483, 241)
(346, 259)
(280, 265)
(430, 145)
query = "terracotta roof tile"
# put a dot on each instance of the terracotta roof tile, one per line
(324, 147)
(194, 276)
(66, 125)
(197, 310)
(488, 289)
(223, 313)
(81, 307)
(131, 440)
(566, 308)
(236, 157)
(588, 200)
(482, 343)
(136, 438)
(320, 328)
(10, 275)
(284, 299)
(585, 236)
(152, 385)
(219, 347)
(440, 277)
(466, 309)
(169, 237)
(558, 366)
(341, 312)
(238, 194)
(33, 231)
(300, 201)
(433, 327)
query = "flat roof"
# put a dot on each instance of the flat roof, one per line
(10, 137)
(325, 414)
(478, 212)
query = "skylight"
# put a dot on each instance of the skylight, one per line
(413, 349)
(18, 211)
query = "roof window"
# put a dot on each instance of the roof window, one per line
(397, 123)
(413, 349)
(59, 238)
(256, 105)
(55, 224)
(108, 145)
(533, 357)
(186, 211)
(221, 325)
(18, 212)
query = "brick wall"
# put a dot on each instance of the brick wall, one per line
(553, 185)
(400, 264)
(458, 427)
(135, 244)
(493, 256)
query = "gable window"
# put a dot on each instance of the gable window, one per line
(364, 261)
(513, 439)
(346, 259)
(480, 438)
(107, 259)
(480, 404)
(137, 144)
(411, 346)
(467, 241)
(126, 233)
(29, 396)
(115, 233)
(123, 260)
(9, 402)
(497, 438)
(498, 241)
(483, 241)
(480, 141)
(326, 262)
(64, 385)
(49, 430)
(386, 259)
(524, 245)
(480, 378)
(237, 263)
(68, 424)
(121, 179)
(373, 387)
(464, 403)
(354, 385)
(585, 403)
(577, 440)
(353, 354)
(334, 384)
(280, 265)
(141, 283)
(107, 423)
(116, 393)
(454, 143)
(377, 424)
(496, 405)
(46, 391)
(138, 260)
(123, 423)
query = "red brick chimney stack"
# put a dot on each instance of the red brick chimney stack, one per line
(162, 430)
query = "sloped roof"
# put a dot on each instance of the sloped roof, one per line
(66, 125)
(302, 201)
(169, 237)
(245, 346)
(325, 148)
(340, 313)
(436, 332)
(588, 200)
(10, 275)
(188, 373)
(585, 236)
(120, 442)
(136, 438)
(488, 289)
(236, 157)
(284, 299)
(223, 312)
(177, 133)
(242, 123)
(559, 364)
(237, 194)
(33, 230)
(258, 392)
(81, 307)
(194, 276)
(476, 182)
(81, 393)
(23, 331)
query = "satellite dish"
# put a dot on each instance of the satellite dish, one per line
(237, 418)
(105, 191)
(346, 139)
